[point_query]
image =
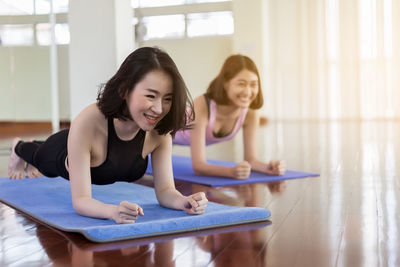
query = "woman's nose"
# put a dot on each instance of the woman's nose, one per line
(157, 106)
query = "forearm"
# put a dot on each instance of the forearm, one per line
(207, 169)
(273, 167)
(258, 165)
(90, 207)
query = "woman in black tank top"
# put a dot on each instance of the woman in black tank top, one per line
(137, 112)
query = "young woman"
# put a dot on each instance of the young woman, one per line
(230, 103)
(136, 112)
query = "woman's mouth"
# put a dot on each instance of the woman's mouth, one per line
(151, 119)
(244, 99)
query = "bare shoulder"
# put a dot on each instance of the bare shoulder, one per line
(252, 116)
(200, 102)
(200, 108)
(158, 139)
(89, 121)
(154, 141)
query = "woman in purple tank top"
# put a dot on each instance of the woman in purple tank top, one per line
(230, 104)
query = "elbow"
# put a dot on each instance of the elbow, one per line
(197, 170)
(78, 207)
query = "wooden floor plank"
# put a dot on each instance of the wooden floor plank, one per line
(349, 216)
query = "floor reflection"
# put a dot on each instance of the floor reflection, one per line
(72, 249)
(349, 216)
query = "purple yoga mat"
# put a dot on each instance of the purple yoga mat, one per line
(182, 168)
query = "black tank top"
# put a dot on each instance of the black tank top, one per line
(124, 161)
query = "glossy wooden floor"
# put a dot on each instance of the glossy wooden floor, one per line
(349, 216)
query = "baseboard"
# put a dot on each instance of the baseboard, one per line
(24, 128)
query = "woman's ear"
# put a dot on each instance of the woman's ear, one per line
(123, 93)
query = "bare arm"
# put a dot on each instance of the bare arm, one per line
(250, 128)
(164, 184)
(198, 148)
(81, 136)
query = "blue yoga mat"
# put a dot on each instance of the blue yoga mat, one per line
(182, 168)
(49, 201)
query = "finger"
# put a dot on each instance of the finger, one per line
(202, 203)
(126, 221)
(200, 209)
(125, 210)
(274, 164)
(246, 164)
(242, 176)
(199, 196)
(244, 171)
(191, 203)
(127, 217)
(130, 205)
(140, 211)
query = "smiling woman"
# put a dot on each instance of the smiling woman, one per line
(230, 104)
(137, 111)
(154, 104)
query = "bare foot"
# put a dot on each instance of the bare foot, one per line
(16, 166)
(31, 170)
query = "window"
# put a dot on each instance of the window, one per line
(43, 33)
(212, 23)
(43, 6)
(182, 18)
(163, 27)
(32, 7)
(20, 7)
(16, 35)
(26, 18)
(159, 3)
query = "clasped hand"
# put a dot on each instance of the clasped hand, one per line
(196, 203)
(276, 167)
(127, 212)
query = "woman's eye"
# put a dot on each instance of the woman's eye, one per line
(150, 96)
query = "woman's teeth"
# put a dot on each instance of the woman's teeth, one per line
(151, 119)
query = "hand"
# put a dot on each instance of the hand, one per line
(276, 167)
(196, 203)
(242, 170)
(127, 212)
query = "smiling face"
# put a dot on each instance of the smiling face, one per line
(151, 99)
(242, 89)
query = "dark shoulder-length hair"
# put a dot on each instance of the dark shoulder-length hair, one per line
(232, 66)
(111, 96)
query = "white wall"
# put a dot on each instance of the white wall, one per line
(198, 59)
(25, 83)
(101, 37)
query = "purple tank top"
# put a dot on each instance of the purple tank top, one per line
(183, 137)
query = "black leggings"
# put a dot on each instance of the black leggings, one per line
(48, 156)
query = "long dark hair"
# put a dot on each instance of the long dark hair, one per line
(111, 96)
(232, 66)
